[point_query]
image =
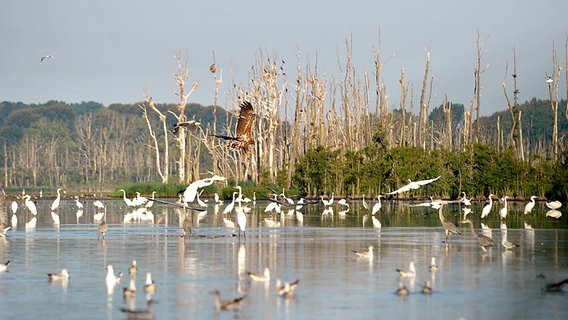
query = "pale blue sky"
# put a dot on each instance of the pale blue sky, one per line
(109, 51)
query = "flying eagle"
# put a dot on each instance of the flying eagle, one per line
(244, 127)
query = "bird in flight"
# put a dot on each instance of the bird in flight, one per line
(414, 185)
(48, 56)
(243, 137)
(191, 125)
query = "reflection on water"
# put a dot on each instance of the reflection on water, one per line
(313, 247)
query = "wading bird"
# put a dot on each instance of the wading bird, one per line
(102, 227)
(449, 227)
(483, 240)
(412, 185)
(487, 209)
(78, 203)
(377, 206)
(30, 205)
(503, 211)
(149, 285)
(530, 205)
(55, 203)
(243, 135)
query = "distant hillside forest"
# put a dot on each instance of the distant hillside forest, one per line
(310, 149)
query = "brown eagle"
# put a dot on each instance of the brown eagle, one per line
(244, 130)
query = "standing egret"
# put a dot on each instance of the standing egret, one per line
(327, 202)
(98, 204)
(150, 202)
(529, 206)
(14, 207)
(30, 205)
(377, 206)
(487, 209)
(129, 203)
(78, 203)
(241, 221)
(55, 204)
(483, 240)
(465, 200)
(503, 211)
(230, 206)
(449, 227)
(365, 205)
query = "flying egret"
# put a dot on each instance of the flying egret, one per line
(487, 209)
(190, 192)
(55, 203)
(412, 185)
(483, 240)
(530, 205)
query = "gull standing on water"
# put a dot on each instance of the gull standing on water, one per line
(408, 274)
(130, 291)
(150, 285)
(286, 290)
(133, 270)
(433, 267)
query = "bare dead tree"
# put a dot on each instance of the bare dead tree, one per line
(423, 114)
(164, 174)
(553, 85)
(477, 89)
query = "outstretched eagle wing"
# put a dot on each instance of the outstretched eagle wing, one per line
(244, 123)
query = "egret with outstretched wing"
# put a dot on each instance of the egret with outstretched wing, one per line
(412, 185)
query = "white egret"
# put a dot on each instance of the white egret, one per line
(365, 205)
(241, 221)
(554, 205)
(30, 205)
(150, 202)
(78, 203)
(412, 185)
(129, 203)
(343, 202)
(190, 192)
(55, 203)
(503, 210)
(465, 200)
(487, 209)
(230, 206)
(530, 205)
(14, 207)
(98, 204)
(377, 206)
(327, 202)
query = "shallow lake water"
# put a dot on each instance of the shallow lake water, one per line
(334, 283)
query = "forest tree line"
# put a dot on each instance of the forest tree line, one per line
(312, 134)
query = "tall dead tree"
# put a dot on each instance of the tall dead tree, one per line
(477, 88)
(423, 114)
(163, 173)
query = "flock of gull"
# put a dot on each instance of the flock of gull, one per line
(279, 203)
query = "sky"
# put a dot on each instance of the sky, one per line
(110, 51)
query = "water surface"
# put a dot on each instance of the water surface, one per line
(334, 284)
